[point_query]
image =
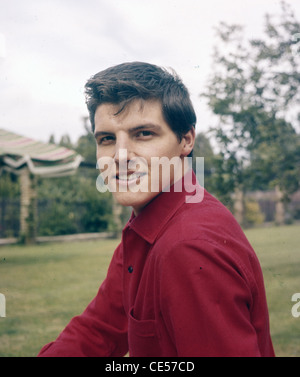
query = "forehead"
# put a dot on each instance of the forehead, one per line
(135, 113)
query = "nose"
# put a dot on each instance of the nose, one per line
(123, 150)
(121, 156)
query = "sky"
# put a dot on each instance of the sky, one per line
(50, 48)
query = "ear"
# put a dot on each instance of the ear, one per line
(188, 141)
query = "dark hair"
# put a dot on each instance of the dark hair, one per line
(123, 83)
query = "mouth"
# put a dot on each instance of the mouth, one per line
(129, 177)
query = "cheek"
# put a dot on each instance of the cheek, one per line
(169, 147)
(104, 152)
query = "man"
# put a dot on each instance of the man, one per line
(184, 280)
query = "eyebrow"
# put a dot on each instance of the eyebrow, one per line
(148, 126)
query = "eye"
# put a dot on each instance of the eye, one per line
(106, 140)
(144, 134)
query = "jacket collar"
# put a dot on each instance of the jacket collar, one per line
(159, 211)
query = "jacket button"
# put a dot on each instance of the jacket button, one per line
(130, 269)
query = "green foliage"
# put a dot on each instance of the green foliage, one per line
(253, 214)
(66, 142)
(86, 147)
(9, 186)
(253, 90)
(9, 205)
(73, 205)
(275, 158)
(203, 148)
(56, 219)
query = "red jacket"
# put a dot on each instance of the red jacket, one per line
(183, 282)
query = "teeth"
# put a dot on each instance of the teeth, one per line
(125, 177)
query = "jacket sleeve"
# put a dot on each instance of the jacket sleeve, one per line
(206, 301)
(101, 330)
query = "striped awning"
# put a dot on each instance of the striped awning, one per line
(47, 160)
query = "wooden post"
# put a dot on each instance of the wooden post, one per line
(28, 207)
(117, 211)
(279, 207)
(239, 211)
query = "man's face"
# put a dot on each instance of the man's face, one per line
(131, 139)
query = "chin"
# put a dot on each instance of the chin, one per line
(136, 200)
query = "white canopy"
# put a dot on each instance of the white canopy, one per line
(43, 159)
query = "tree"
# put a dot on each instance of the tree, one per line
(203, 148)
(66, 142)
(253, 91)
(52, 139)
(86, 146)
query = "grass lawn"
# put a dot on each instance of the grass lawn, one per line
(278, 250)
(46, 285)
